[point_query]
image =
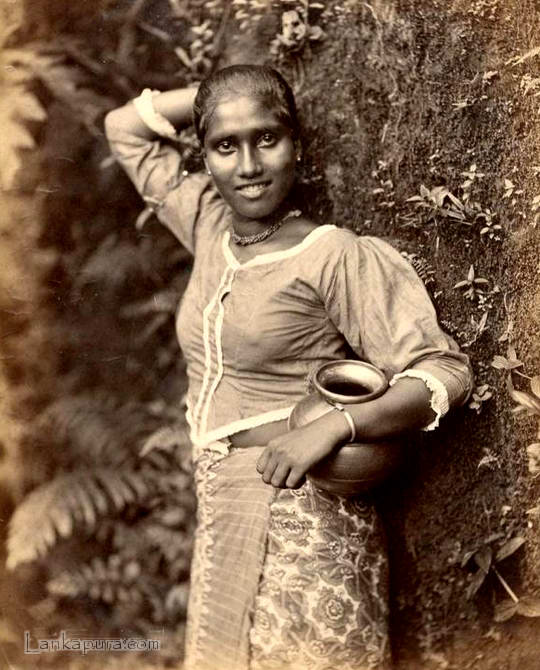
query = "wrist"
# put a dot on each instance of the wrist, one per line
(336, 426)
(151, 117)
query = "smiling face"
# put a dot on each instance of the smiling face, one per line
(251, 155)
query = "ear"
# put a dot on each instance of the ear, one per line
(206, 164)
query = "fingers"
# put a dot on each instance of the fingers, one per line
(276, 469)
(284, 462)
(295, 479)
(263, 461)
(279, 476)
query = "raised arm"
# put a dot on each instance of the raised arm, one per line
(139, 134)
(175, 106)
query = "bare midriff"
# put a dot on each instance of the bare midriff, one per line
(259, 436)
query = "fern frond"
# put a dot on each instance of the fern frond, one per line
(120, 581)
(108, 580)
(17, 105)
(97, 429)
(166, 439)
(171, 543)
(67, 83)
(72, 501)
(422, 267)
(12, 16)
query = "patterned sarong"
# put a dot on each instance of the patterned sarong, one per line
(283, 579)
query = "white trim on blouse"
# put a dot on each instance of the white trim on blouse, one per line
(272, 256)
(198, 419)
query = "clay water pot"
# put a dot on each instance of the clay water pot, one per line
(356, 467)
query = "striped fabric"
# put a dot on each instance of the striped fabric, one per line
(283, 579)
(234, 511)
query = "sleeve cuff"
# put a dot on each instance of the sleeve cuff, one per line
(439, 395)
(150, 117)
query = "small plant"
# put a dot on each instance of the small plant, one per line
(490, 229)
(478, 327)
(472, 285)
(528, 403)
(508, 362)
(439, 201)
(471, 176)
(385, 190)
(510, 191)
(485, 561)
(480, 395)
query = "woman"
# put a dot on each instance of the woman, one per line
(283, 575)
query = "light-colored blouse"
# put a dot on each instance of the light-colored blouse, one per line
(253, 333)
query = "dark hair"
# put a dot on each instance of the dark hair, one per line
(258, 81)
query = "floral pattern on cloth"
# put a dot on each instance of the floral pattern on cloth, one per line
(323, 596)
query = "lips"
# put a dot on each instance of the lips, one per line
(253, 191)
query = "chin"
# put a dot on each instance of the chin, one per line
(254, 210)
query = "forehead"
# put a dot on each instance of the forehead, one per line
(234, 116)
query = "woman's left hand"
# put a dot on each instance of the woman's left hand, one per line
(287, 458)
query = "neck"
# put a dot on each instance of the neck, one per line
(246, 226)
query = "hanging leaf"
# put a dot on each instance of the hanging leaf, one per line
(483, 558)
(475, 583)
(529, 606)
(527, 401)
(513, 360)
(524, 400)
(535, 386)
(509, 548)
(500, 363)
(533, 452)
(505, 610)
(466, 558)
(482, 322)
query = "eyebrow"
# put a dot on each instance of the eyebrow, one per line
(266, 127)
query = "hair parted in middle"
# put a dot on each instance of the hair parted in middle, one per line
(254, 81)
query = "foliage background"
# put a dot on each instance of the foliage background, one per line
(421, 125)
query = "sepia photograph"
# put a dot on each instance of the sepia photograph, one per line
(269, 335)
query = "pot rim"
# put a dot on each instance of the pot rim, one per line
(333, 398)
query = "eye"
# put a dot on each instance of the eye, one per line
(267, 140)
(225, 147)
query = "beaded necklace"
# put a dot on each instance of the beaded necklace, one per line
(245, 240)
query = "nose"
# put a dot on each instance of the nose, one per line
(248, 163)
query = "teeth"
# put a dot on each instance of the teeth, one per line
(255, 189)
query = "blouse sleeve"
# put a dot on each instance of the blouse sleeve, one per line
(375, 298)
(156, 170)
